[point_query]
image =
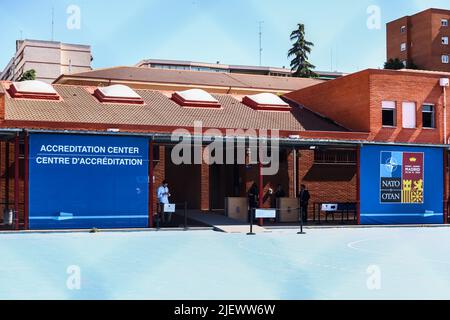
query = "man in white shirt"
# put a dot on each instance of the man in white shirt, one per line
(163, 198)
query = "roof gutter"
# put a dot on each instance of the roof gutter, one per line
(167, 138)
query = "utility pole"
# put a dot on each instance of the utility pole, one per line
(260, 42)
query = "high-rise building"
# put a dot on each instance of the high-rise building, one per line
(421, 40)
(49, 59)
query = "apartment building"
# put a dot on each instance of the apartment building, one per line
(421, 40)
(49, 59)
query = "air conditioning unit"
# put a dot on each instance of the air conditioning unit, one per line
(444, 82)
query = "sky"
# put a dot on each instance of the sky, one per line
(348, 35)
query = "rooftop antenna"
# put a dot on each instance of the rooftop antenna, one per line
(53, 23)
(21, 35)
(260, 42)
(331, 54)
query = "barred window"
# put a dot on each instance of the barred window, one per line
(335, 156)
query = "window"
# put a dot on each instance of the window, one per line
(445, 40)
(445, 58)
(195, 98)
(444, 22)
(409, 115)
(428, 116)
(266, 101)
(33, 89)
(334, 156)
(403, 47)
(389, 113)
(118, 93)
(403, 29)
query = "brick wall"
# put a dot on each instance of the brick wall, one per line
(355, 101)
(423, 38)
(7, 186)
(395, 38)
(406, 87)
(327, 183)
(345, 100)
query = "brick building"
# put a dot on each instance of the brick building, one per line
(421, 39)
(90, 145)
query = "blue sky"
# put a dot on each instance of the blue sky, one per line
(124, 32)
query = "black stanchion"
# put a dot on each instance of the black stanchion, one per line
(158, 218)
(185, 216)
(301, 222)
(252, 214)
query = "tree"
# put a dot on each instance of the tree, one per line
(28, 75)
(394, 64)
(300, 50)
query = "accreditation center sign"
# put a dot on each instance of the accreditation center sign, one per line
(89, 155)
(86, 181)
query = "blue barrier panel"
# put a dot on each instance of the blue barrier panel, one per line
(401, 185)
(85, 181)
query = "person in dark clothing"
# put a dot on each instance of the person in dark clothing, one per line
(304, 197)
(253, 199)
(280, 192)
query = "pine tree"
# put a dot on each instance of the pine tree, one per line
(300, 51)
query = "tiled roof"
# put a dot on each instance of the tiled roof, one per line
(78, 105)
(186, 77)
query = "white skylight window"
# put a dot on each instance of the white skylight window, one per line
(266, 101)
(34, 86)
(195, 98)
(197, 95)
(118, 93)
(33, 89)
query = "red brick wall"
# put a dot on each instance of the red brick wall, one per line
(345, 100)
(7, 178)
(327, 183)
(437, 48)
(423, 38)
(395, 38)
(355, 101)
(406, 87)
(159, 172)
(204, 186)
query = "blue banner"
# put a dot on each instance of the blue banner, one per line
(85, 181)
(401, 185)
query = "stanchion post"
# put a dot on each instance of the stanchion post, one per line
(158, 217)
(301, 221)
(252, 215)
(185, 216)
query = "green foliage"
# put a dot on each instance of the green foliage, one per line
(394, 64)
(28, 75)
(300, 51)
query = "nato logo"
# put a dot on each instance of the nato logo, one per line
(391, 164)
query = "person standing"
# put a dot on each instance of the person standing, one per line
(279, 193)
(304, 197)
(163, 195)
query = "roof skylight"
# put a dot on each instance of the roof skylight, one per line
(195, 98)
(266, 101)
(118, 93)
(33, 89)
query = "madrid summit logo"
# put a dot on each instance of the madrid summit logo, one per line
(402, 177)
